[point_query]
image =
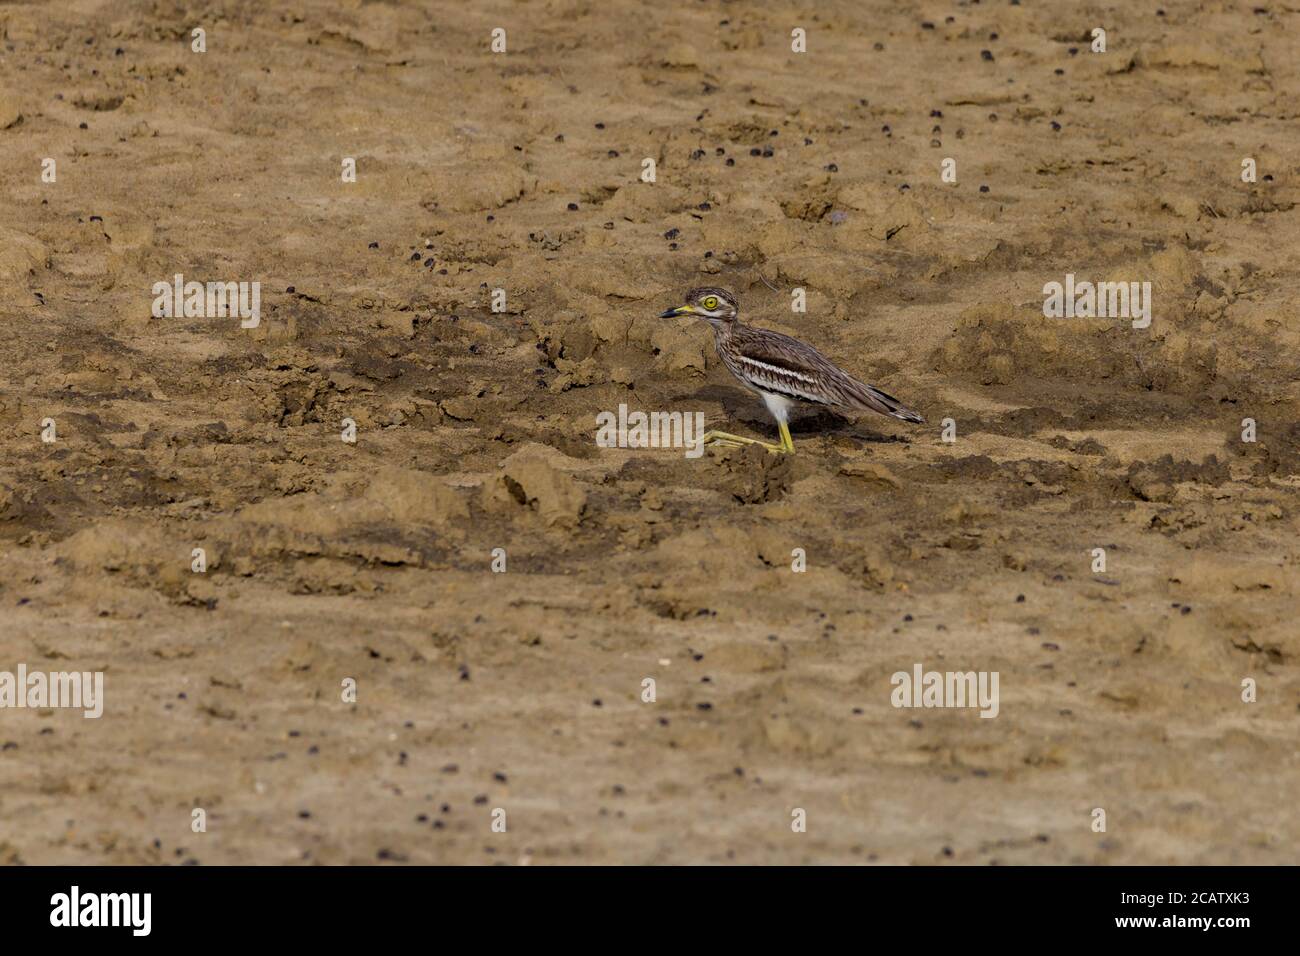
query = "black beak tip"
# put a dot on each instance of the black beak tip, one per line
(667, 313)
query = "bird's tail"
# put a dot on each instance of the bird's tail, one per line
(870, 397)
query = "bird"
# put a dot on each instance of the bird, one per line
(781, 369)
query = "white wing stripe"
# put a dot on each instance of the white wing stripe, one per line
(778, 370)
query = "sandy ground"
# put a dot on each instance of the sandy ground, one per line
(328, 561)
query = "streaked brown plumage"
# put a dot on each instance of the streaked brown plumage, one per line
(782, 369)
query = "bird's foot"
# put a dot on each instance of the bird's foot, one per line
(728, 440)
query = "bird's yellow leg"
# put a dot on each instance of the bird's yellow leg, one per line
(787, 443)
(728, 440)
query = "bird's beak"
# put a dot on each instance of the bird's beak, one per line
(679, 310)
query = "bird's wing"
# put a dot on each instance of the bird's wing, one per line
(781, 364)
(786, 365)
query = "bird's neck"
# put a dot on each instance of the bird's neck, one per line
(722, 331)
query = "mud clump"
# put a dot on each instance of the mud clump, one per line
(1155, 480)
(539, 479)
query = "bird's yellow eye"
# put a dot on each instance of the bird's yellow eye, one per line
(711, 302)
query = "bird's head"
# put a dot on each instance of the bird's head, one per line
(713, 305)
